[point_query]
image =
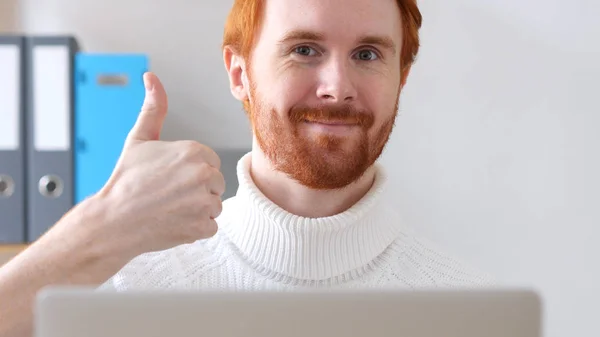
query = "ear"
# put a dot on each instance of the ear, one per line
(235, 66)
(404, 77)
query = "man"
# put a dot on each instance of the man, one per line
(320, 81)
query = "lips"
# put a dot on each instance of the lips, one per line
(332, 122)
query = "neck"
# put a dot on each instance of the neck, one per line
(296, 249)
(300, 200)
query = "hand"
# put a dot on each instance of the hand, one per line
(161, 194)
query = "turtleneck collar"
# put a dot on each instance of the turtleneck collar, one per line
(281, 244)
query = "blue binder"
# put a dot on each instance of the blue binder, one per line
(109, 92)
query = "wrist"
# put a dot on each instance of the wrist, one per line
(89, 230)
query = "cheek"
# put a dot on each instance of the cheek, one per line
(290, 90)
(381, 99)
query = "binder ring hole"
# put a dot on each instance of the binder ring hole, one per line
(7, 186)
(50, 186)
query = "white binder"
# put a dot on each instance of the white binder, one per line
(50, 131)
(12, 138)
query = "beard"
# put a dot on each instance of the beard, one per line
(324, 161)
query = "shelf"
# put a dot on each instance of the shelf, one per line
(12, 247)
(7, 252)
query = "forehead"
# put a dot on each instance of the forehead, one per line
(335, 19)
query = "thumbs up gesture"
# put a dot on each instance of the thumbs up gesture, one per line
(161, 194)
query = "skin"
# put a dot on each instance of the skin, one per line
(130, 216)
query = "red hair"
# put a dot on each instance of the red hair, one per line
(246, 17)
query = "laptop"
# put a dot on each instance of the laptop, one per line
(72, 312)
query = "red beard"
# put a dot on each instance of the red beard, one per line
(325, 161)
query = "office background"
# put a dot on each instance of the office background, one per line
(496, 152)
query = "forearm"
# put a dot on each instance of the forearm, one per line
(63, 256)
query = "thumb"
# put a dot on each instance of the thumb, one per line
(154, 110)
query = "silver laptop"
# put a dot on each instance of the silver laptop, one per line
(356, 313)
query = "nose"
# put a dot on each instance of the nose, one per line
(336, 85)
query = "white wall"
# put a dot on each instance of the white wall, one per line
(497, 152)
(495, 156)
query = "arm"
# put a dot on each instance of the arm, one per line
(160, 195)
(64, 255)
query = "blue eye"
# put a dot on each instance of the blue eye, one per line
(304, 51)
(366, 55)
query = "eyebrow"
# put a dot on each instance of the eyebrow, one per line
(301, 35)
(383, 41)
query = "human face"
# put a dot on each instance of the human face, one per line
(324, 80)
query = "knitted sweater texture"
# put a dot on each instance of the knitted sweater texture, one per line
(260, 246)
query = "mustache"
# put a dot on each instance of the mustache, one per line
(346, 114)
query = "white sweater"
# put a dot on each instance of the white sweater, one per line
(259, 246)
